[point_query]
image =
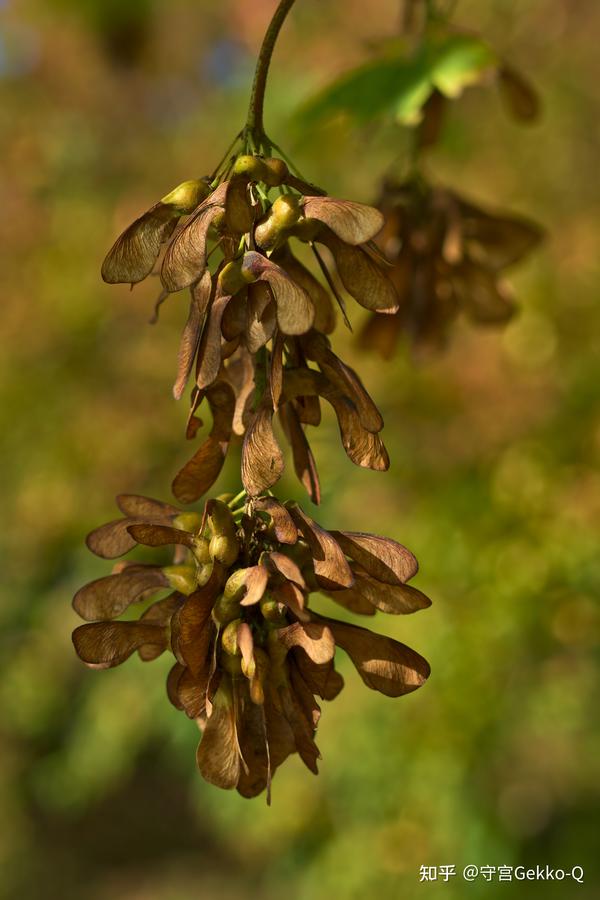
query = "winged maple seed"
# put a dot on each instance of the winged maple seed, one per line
(244, 396)
(251, 656)
(258, 317)
(448, 256)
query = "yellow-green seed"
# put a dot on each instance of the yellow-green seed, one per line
(201, 550)
(188, 521)
(252, 167)
(225, 610)
(187, 195)
(182, 578)
(229, 640)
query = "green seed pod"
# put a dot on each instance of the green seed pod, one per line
(220, 519)
(225, 610)
(229, 640)
(307, 230)
(188, 521)
(204, 573)
(201, 550)
(187, 195)
(224, 549)
(271, 610)
(232, 664)
(235, 585)
(277, 171)
(253, 167)
(182, 578)
(282, 217)
(231, 278)
(224, 545)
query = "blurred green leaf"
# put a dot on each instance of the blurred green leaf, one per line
(400, 84)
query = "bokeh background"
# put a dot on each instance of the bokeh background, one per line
(104, 106)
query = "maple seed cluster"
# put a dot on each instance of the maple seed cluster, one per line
(251, 656)
(260, 318)
(233, 608)
(448, 256)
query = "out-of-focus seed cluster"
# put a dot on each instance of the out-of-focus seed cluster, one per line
(251, 656)
(448, 257)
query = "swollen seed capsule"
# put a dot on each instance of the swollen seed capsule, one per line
(225, 610)
(231, 278)
(182, 578)
(271, 610)
(277, 171)
(232, 664)
(187, 195)
(282, 216)
(235, 585)
(286, 210)
(201, 550)
(204, 573)
(229, 640)
(224, 549)
(224, 544)
(307, 230)
(252, 167)
(188, 521)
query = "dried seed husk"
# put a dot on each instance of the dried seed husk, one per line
(185, 259)
(160, 613)
(102, 645)
(262, 459)
(108, 597)
(295, 310)
(394, 599)
(279, 564)
(262, 316)
(321, 678)
(330, 565)
(210, 352)
(344, 379)
(383, 558)
(324, 310)
(190, 338)
(304, 462)
(160, 535)
(134, 505)
(173, 678)
(134, 253)
(282, 525)
(247, 585)
(235, 318)
(384, 664)
(218, 756)
(202, 470)
(313, 637)
(353, 223)
(114, 539)
(239, 213)
(192, 627)
(360, 275)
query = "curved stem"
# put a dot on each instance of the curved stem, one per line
(254, 123)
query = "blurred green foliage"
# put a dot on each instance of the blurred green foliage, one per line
(494, 481)
(399, 81)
